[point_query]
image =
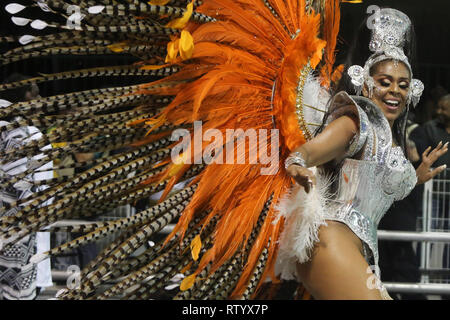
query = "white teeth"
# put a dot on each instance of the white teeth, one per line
(392, 102)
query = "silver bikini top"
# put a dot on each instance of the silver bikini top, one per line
(368, 186)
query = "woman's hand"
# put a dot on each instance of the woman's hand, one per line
(424, 172)
(302, 176)
(331, 143)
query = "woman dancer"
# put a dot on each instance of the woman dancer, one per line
(362, 146)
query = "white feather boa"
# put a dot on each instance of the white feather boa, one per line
(304, 214)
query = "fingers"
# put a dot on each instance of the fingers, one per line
(438, 151)
(430, 157)
(304, 181)
(313, 180)
(433, 152)
(436, 171)
(307, 187)
(438, 148)
(425, 153)
(302, 176)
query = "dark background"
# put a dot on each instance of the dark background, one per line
(431, 19)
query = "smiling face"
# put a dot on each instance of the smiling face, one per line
(391, 88)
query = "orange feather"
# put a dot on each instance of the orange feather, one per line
(244, 74)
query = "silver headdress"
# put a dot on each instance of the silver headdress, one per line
(390, 29)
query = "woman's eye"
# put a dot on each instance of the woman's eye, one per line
(385, 83)
(404, 85)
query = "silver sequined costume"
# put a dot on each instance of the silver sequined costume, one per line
(366, 188)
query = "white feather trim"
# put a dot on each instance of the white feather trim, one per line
(316, 96)
(304, 214)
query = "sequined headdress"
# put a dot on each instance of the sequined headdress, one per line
(390, 29)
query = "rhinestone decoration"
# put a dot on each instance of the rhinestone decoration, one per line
(356, 73)
(299, 101)
(417, 87)
(395, 53)
(295, 158)
(385, 175)
(374, 45)
(390, 39)
(390, 28)
(415, 91)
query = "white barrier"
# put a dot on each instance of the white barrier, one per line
(414, 236)
(425, 288)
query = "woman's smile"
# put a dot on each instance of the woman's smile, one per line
(391, 88)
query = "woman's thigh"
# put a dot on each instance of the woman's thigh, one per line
(337, 269)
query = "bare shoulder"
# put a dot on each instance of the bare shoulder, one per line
(344, 124)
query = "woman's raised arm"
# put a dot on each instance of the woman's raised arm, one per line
(331, 143)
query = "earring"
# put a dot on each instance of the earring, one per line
(356, 74)
(370, 83)
(415, 92)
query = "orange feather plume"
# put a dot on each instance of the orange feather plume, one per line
(330, 31)
(243, 74)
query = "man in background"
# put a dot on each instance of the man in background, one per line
(435, 130)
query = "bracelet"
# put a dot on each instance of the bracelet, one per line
(295, 158)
